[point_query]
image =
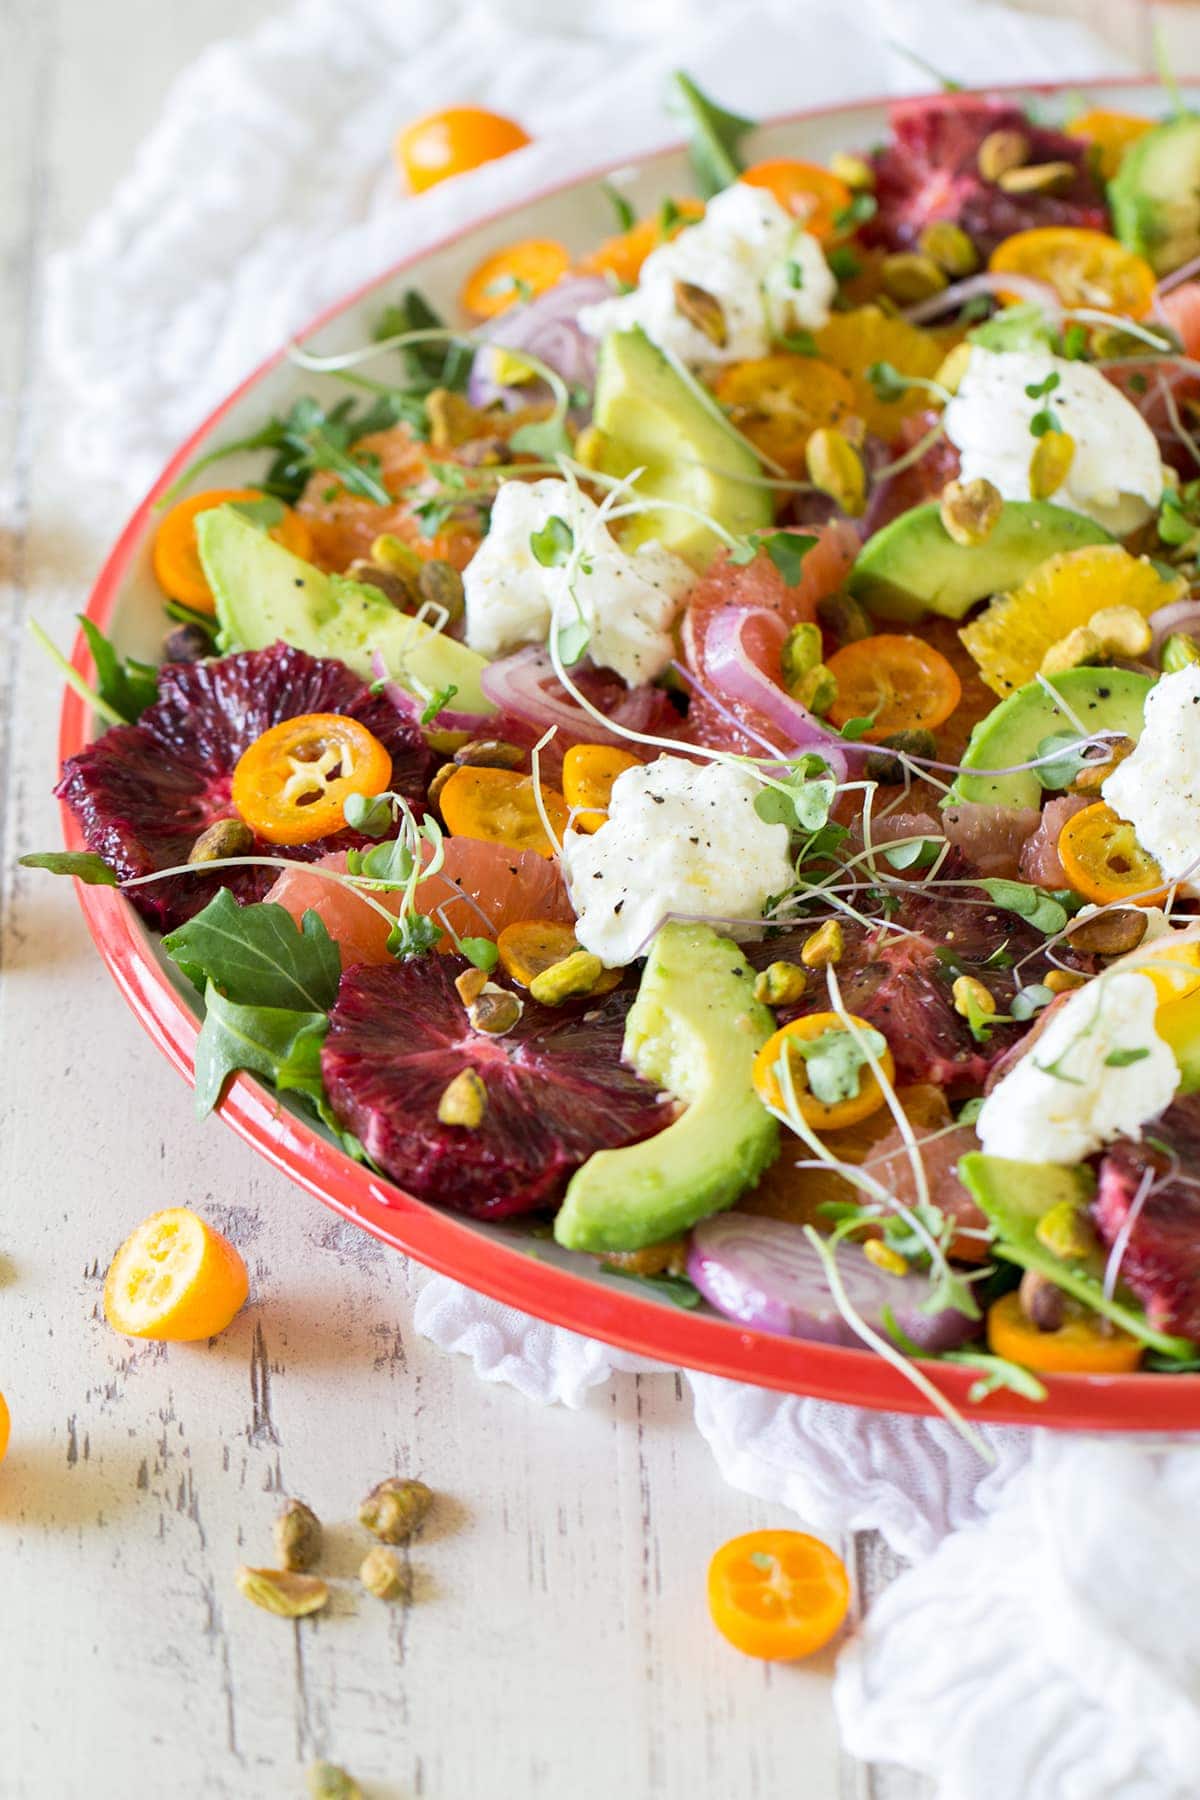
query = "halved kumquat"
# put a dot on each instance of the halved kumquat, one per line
(779, 401)
(589, 771)
(778, 1595)
(1084, 1345)
(176, 556)
(452, 141)
(902, 682)
(290, 786)
(821, 1115)
(517, 272)
(529, 947)
(810, 193)
(499, 806)
(1085, 268)
(175, 1279)
(1103, 860)
(1110, 133)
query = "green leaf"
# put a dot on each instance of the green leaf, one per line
(553, 544)
(1030, 1000)
(369, 813)
(675, 1288)
(714, 135)
(843, 264)
(186, 615)
(264, 513)
(800, 343)
(481, 951)
(413, 935)
(1062, 771)
(1046, 912)
(545, 438)
(918, 855)
(390, 864)
(621, 206)
(437, 702)
(774, 807)
(835, 1059)
(1024, 327)
(787, 551)
(429, 365)
(859, 209)
(281, 1044)
(84, 865)
(1121, 1059)
(887, 383)
(257, 956)
(124, 683)
(572, 641)
(854, 729)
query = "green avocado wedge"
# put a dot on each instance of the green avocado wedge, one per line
(1015, 729)
(651, 415)
(913, 566)
(694, 1029)
(1155, 195)
(263, 593)
(1015, 1195)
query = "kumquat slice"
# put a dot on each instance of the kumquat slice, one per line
(589, 771)
(812, 195)
(516, 273)
(291, 784)
(903, 683)
(176, 555)
(821, 1115)
(1103, 860)
(778, 1595)
(1084, 1345)
(500, 806)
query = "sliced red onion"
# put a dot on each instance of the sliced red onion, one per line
(765, 1273)
(547, 328)
(524, 684)
(410, 706)
(734, 673)
(1180, 615)
(993, 282)
(1177, 277)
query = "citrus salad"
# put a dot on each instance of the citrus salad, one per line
(699, 752)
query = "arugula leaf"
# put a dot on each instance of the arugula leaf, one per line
(553, 544)
(675, 1288)
(307, 439)
(124, 683)
(185, 615)
(427, 366)
(621, 206)
(281, 1044)
(714, 135)
(257, 956)
(84, 865)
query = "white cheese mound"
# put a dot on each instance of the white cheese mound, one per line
(768, 275)
(1157, 787)
(1115, 476)
(627, 599)
(680, 839)
(1098, 1071)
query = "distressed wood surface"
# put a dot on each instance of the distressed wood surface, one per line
(557, 1643)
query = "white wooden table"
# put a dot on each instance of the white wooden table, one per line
(558, 1642)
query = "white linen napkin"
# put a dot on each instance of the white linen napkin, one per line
(1045, 1643)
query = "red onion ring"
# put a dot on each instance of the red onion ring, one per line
(733, 672)
(1180, 615)
(409, 706)
(995, 283)
(547, 328)
(517, 685)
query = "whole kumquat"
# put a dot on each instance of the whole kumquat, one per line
(175, 1279)
(176, 556)
(806, 190)
(452, 141)
(290, 786)
(517, 272)
(499, 806)
(1083, 1345)
(1103, 860)
(902, 683)
(589, 771)
(778, 1595)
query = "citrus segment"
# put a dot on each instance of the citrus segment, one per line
(853, 341)
(500, 806)
(778, 1595)
(1084, 1345)
(1009, 640)
(175, 1279)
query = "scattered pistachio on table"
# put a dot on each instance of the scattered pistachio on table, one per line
(297, 1536)
(279, 1591)
(396, 1508)
(325, 1781)
(384, 1575)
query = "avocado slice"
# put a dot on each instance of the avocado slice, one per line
(1155, 195)
(264, 593)
(695, 1029)
(914, 566)
(650, 414)
(1015, 1195)
(1101, 699)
